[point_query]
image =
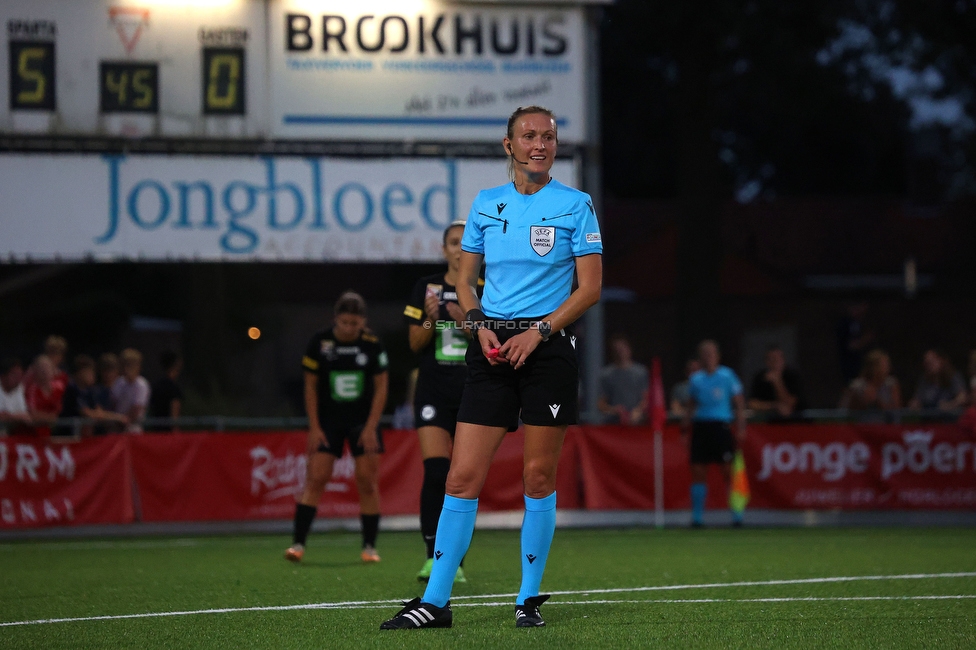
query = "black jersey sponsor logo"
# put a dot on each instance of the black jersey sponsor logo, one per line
(501, 206)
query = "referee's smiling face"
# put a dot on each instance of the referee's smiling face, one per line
(533, 143)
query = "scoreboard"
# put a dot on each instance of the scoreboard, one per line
(160, 68)
(290, 69)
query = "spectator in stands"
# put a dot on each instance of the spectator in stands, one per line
(80, 401)
(108, 372)
(854, 337)
(166, 396)
(876, 388)
(940, 386)
(13, 406)
(623, 385)
(44, 396)
(679, 392)
(776, 390)
(130, 392)
(56, 349)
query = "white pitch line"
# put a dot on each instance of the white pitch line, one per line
(758, 583)
(383, 604)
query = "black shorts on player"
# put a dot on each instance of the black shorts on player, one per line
(436, 404)
(543, 392)
(431, 413)
(335, 439)
(711, 442)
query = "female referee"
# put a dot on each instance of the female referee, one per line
(345, 392)
(532, 234)
(434, 319)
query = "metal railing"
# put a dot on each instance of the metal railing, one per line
(68, 428)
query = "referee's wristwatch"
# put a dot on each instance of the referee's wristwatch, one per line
(545, 329)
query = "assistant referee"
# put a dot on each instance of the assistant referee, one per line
(532, 234)
(714, 392)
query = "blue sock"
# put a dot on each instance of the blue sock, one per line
(698, 493)
(454, 531)
(538, 527)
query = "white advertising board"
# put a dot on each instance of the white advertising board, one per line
(423, 69)
(135, 69)
(289, 69)
(169, 208)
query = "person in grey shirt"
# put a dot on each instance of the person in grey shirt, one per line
(623, 386)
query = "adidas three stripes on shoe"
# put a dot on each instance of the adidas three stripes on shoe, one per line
(416, 614)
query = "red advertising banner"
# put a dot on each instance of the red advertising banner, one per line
(874, 467)
(503, 488)
(792, 466)
(617, 470)
(47, 483)
(210, 477)
(237, 476)
(240, 476)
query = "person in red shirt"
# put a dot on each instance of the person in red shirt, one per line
(44, 395)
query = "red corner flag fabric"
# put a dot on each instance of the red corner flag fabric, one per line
(659, 412)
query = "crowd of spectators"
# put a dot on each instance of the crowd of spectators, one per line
(109, 395)
(776, 392)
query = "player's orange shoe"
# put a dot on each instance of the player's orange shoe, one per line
(295, 553)
(369, 554)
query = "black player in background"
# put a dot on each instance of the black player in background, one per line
(434, 319)
(345, 392)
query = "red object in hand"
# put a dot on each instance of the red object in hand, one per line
(493, 353)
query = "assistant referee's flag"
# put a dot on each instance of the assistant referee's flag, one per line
(739, 494)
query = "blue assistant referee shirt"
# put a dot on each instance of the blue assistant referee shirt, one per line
(529, 244)
(713, 393)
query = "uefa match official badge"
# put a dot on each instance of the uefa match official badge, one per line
(542, 238)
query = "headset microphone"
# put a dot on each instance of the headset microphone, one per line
(512, 154)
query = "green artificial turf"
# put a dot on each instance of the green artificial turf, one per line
(90, 578)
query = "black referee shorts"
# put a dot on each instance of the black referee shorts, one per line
(543, 392)
(336, 438)
(711, 442)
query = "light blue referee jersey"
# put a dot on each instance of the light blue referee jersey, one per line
(713, 393)
(529, 244)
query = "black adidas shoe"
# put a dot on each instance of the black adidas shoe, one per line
(528, 615)
(420, 614)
